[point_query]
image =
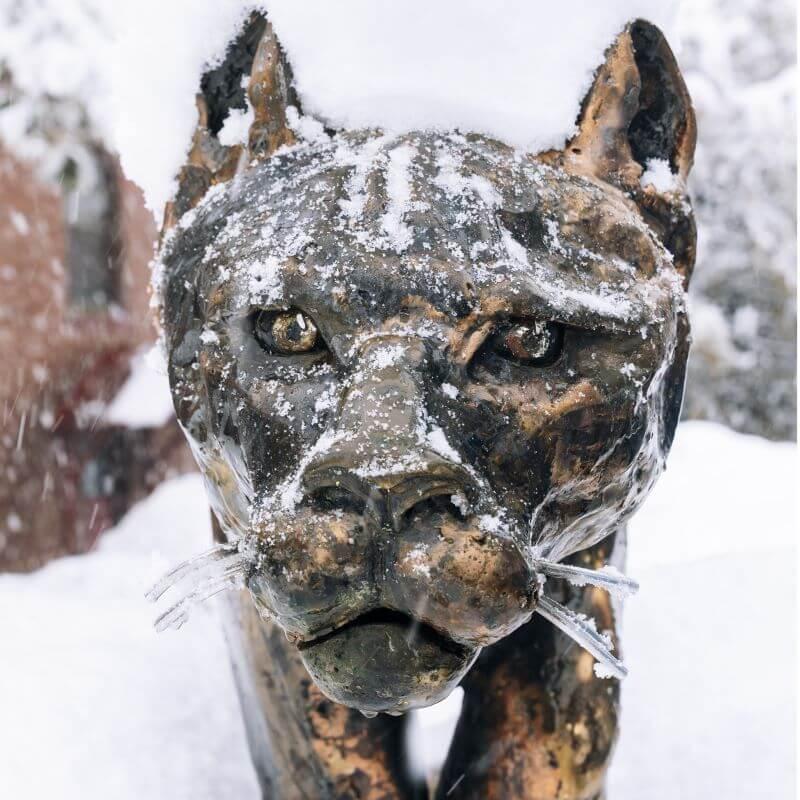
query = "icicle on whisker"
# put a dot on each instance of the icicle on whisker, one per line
(199, 562)
(582, 630)
(176, 615)
(606, 578)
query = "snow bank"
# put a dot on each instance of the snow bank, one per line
(707, 708)
(734, 495)
(116, 710)
(516, 70)
(709, 704)
(144, 401)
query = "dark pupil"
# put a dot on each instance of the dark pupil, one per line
(293, 331)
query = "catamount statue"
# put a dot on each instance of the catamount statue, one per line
(415, 370)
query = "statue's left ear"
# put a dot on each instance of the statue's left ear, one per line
(256, 60)
(637, 120)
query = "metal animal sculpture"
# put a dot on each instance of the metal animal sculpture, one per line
(427, 379)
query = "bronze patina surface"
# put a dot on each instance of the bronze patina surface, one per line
(409, 366)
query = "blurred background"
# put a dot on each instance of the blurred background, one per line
(86, 428)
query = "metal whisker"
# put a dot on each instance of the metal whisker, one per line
(177, 614)
(194, 564)
(582, 630)
(606, 578)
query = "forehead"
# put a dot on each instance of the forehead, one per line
(459, 223)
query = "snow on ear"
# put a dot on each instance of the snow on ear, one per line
(242, 115)
(637, 131)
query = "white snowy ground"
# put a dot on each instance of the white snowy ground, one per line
(93, 704)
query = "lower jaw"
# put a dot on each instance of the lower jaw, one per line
(385, 661)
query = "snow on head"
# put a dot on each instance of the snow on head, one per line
(515, 70)
(161, 54)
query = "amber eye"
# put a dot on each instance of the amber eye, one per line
(531, 342)
(286, 332)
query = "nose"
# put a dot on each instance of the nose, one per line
(383, 459)
(390, 497)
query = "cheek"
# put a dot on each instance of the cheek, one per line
(264, 412)
(500, 444)
(277, 423)
(581, 424)
(597, 425)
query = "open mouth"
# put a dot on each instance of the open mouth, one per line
(416, 632)
(385, 660)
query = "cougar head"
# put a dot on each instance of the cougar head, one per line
(409, 365)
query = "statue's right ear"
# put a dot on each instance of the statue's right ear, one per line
(637, 110)
(638, 113)
(256, 57)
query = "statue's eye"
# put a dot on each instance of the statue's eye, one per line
(286, 332)
(533, 343)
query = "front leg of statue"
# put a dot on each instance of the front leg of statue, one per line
(537, 723)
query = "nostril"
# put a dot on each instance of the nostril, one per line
(336, 498)
(451, 503)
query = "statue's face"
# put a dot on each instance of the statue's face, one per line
(409, 366)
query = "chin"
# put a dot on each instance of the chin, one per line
(386, 661)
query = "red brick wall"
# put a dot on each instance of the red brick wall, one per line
(59, 367)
